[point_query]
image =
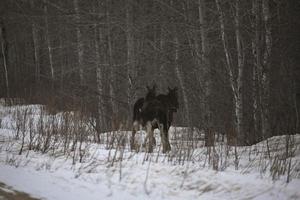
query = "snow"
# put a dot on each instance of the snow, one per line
(57, 179)
(147, 176)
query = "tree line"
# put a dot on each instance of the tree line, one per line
(235, 62)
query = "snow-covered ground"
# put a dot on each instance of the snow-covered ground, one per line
(258, 172)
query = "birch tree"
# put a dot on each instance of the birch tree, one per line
(261, 49)
(236, 83)
(227, 68)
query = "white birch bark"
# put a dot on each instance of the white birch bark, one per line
(236, 84)
(226, 50)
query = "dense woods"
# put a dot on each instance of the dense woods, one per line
(235, 62)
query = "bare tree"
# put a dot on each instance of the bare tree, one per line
(256, 63)
(35, 47)
(236, 83)
(225, 56)
(131, 71)
(204, 63)
(4, 54)
(180, 79)
(100, 120)
(261, 50)
(49, 47)
(112, 79)
(264, 72)
(80, 44)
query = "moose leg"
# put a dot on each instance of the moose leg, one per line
(150, 136)
(155, 124)
(132, 139)
(132, 145)
(165, 139)
(168, 146)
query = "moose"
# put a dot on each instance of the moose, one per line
(155, 111)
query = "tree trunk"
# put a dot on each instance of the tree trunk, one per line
(256, 51)
(35, 47)
(131, 71)
(181, 81)
(266, 71)
(202, 24)
(236, 84)
(50, 54)
(240, 62)
(4, 56)
(36, 53)
(254, 93)
(112, 81)
(79, 42)
(226, 50)
(162, 73)
(100, 120)
(62, 69)
(205, 65)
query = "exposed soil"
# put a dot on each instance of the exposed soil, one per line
(7, 193)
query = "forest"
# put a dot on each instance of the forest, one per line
(149, 99)
(235, 63)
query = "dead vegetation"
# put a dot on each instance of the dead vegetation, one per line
(71, 134)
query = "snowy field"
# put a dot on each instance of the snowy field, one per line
(260, 171)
